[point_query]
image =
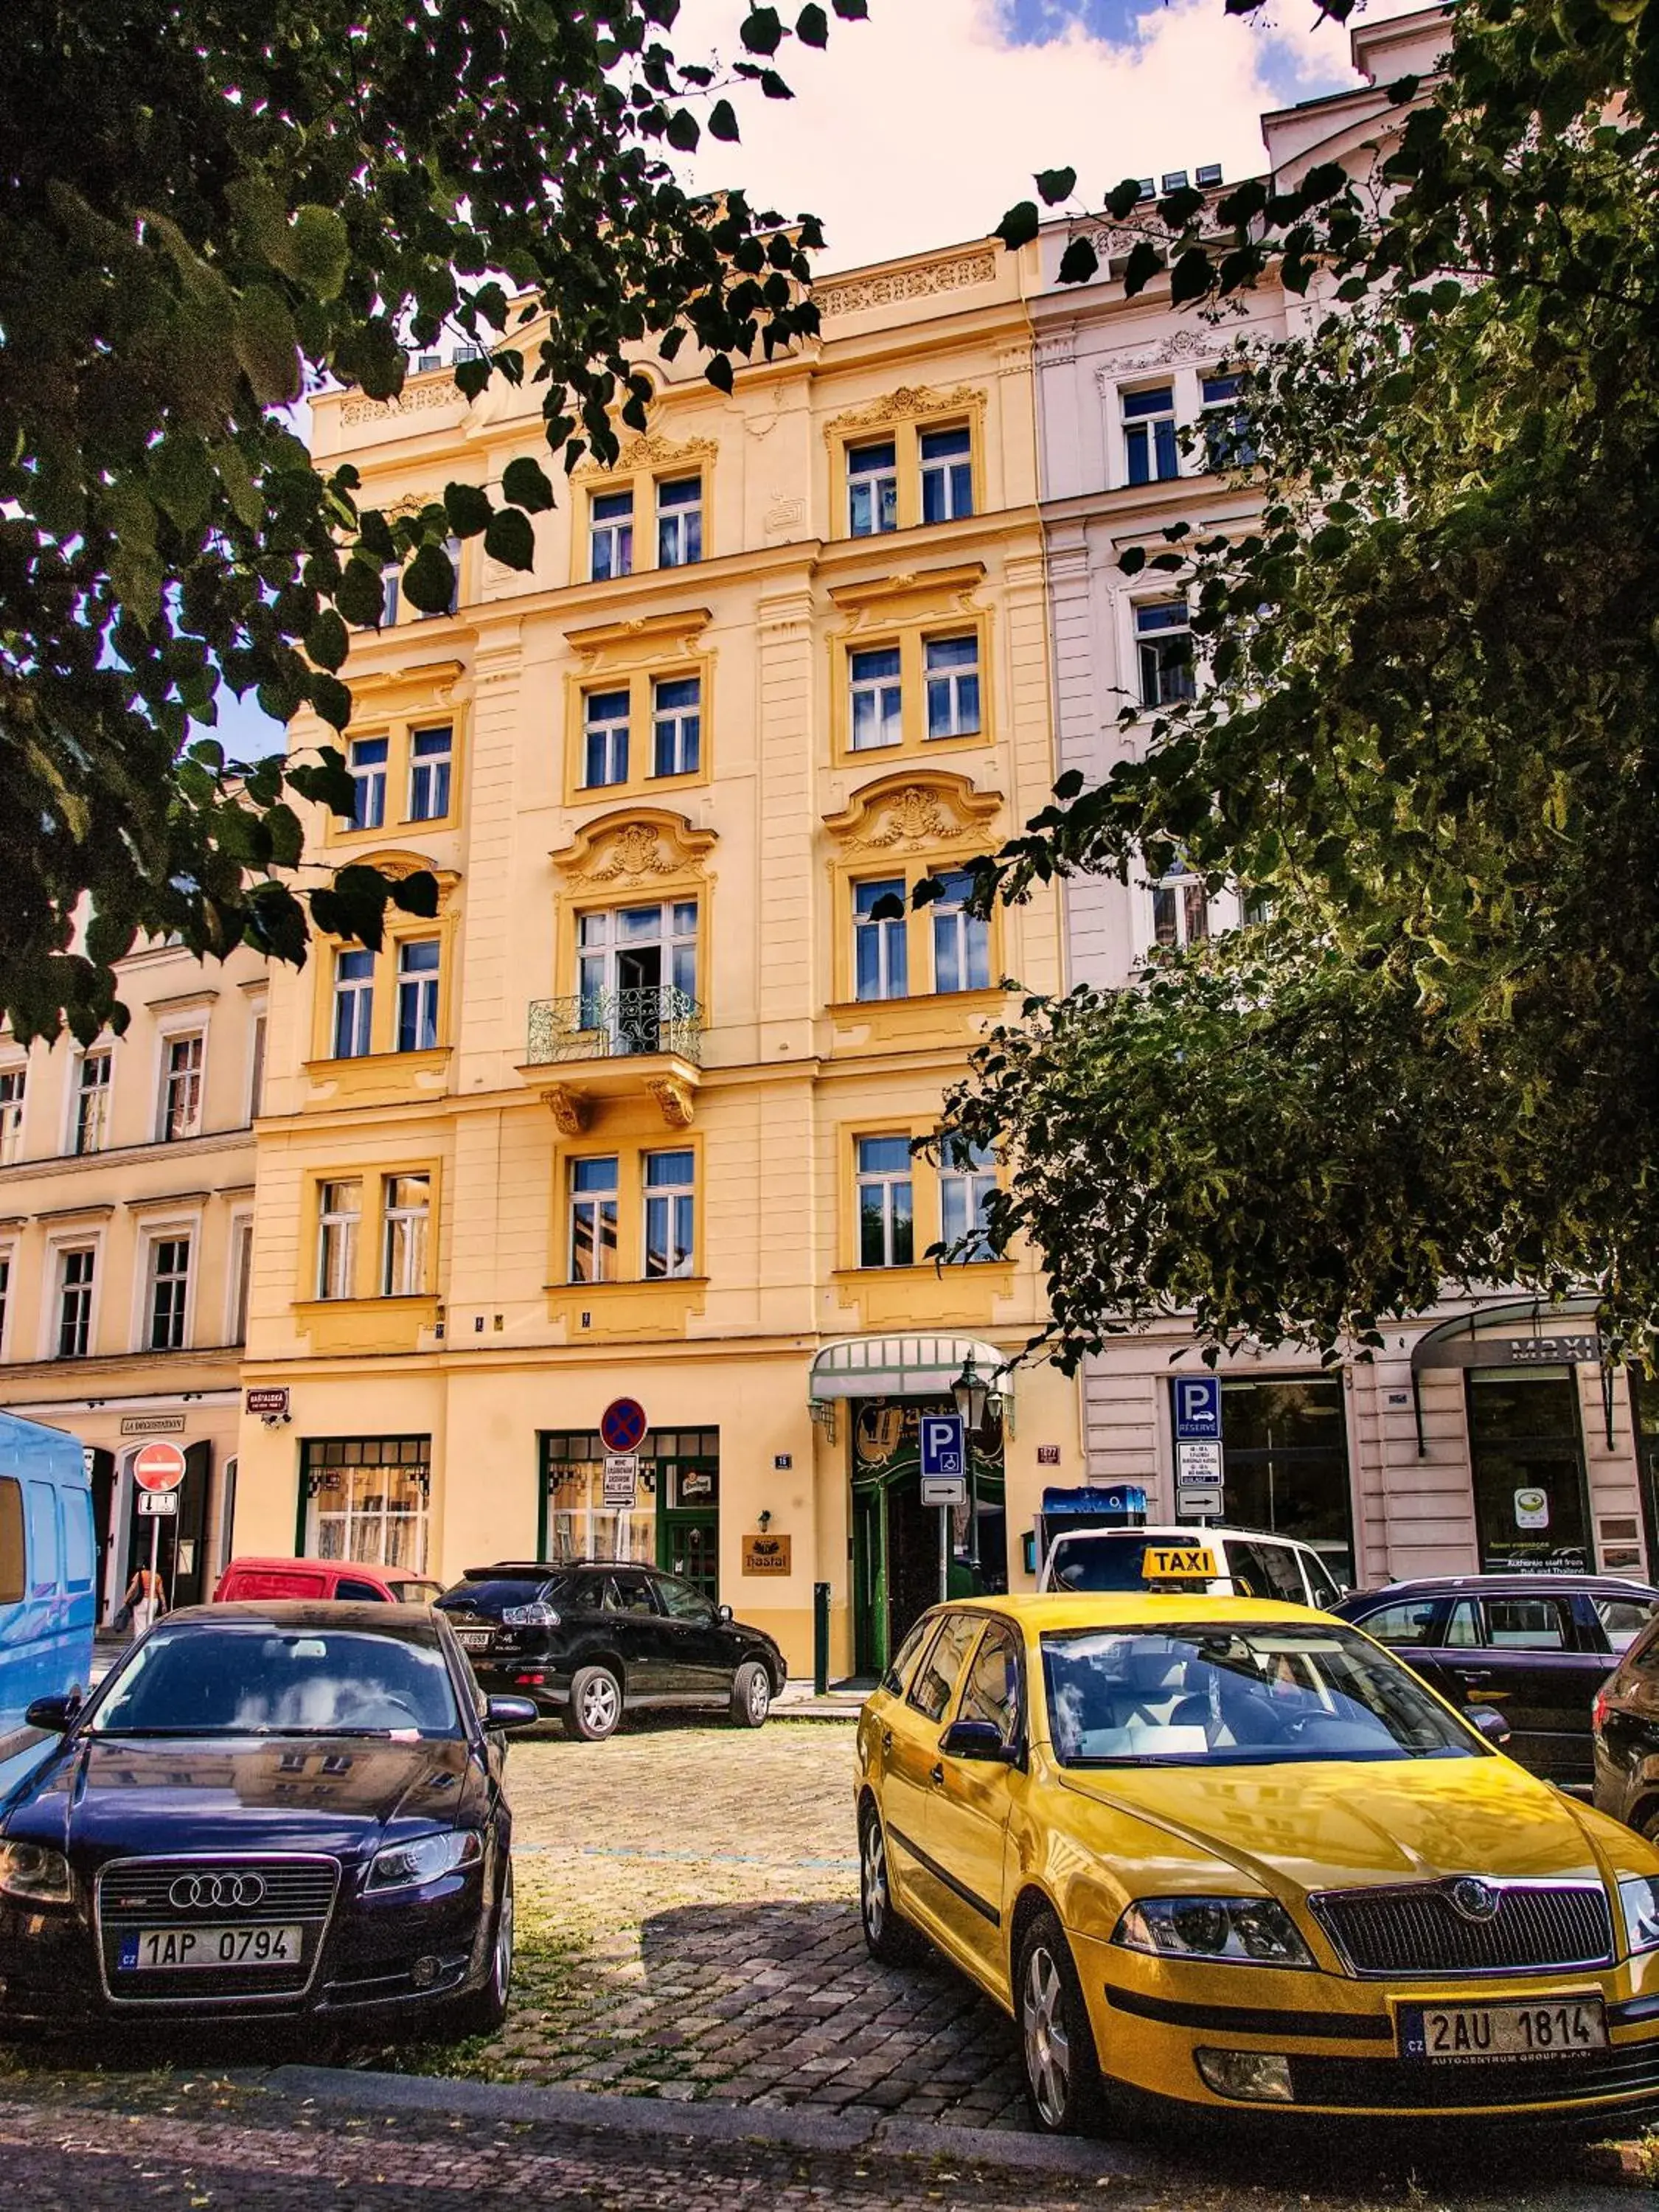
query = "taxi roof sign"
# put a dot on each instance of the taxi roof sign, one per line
(1179, 1563)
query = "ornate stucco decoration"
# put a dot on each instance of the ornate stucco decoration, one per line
(637, 641)
(397, 864)
(947, 272)
(911, 595)
(636, 845)
(903, 405)
(676, 1100)
(648, 449)
(1170, 352)
(913, 810)
(416, 399)
(571, 1112)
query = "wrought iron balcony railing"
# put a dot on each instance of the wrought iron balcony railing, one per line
(614, 1025)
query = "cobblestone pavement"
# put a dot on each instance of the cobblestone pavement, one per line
(206, 2144)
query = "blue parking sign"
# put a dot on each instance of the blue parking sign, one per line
(1196, 1401)
(944, 1446)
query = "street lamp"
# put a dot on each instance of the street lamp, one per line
(971, 1391)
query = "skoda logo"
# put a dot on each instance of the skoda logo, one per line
(1474, 1900)
(218, 1893)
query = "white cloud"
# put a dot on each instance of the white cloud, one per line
(920, 126)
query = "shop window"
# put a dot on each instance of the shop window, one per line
(594, 1220)
(872, 488)
(611, 535)
(877, 699)
(670, 1213)
(75, 1286)
(92, 1095)
(365, 763)
(947, 474)
(1286, 1463)
(169, 1292)
(968, 1177)
(679, 522)
(366, 1499)
(339, 1216)
(181, 1088)
(1149, 434)
(429, 758)
(1531, 1509)
(961, 939)
(880, 939)
(604, 750)
(406, 1215)
(417, 994)
(1163, 645)
(13, 1081)
(354, 1005)
(676, 725)
(886, 1202)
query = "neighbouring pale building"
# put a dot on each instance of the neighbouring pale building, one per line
(630, 1118)
(126, 1229)
(1474, 1438)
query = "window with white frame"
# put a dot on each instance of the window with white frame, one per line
(879, 959)
(407, 1214)
(677, 725)
(365, 763)
(594, 1220)
(339, 1213)
(961, 939)
(241, 1276)
(611, 535)
(877, 698)
(453, 548)
(952, 665)
(92, 1095)
(872, 488)
(1180, 911)
(13, 1083)
(353, 1004)
(887, 1224)
(636, 969)
(75, 1279)
(429, 755)
(947, 474)
(1164, 647)
(679, 522)
(181, 1087)
(1149, 434)
(968, 1176)
(417, 994)
(168, 1293)
(1225, 423)
(391, 592)
(670, 1213)
(604, 754)
(256, 1068)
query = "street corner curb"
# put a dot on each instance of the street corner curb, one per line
(792, 2127)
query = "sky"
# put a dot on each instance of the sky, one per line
(918, 127)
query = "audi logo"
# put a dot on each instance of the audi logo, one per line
(203, 1893)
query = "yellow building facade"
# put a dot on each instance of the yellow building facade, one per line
(629, 1119)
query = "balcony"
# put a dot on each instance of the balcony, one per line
(603, 1045)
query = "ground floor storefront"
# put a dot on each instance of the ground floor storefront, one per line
(1493, 1439)
(783, 1481)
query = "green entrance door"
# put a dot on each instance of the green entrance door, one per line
(870, 1651)
(896, 1540)
(688, 1476)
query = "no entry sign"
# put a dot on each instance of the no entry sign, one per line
(159, 1467)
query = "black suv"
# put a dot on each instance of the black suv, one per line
(591, 1639)
(1535, 1648)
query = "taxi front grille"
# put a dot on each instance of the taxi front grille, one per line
(1419, 1930)
(1384, 2084)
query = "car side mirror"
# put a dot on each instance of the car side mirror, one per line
(974, 1739)
(511, 1712)
(52, 1714)
(1488, 1723)
(723, 1614)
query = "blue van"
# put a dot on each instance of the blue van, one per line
(47, 1563)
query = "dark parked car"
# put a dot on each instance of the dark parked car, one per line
(1535, 1648)
(1627, 1737)
(596, 1637)
(267, 1810)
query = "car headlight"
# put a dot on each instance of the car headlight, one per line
(36, 1873)
(1254, 1931)
(535, 1614)
(425, 1858)
(1639, 1895)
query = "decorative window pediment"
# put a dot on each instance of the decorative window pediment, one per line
(905, 404)
(605, 647)
(648, 450)
(636, 845)
(923, 595)
(399, 863)
(914, 811)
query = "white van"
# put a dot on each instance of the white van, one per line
(1247, 1563)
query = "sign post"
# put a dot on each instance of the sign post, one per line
(944, 1479)
(1195, 1406)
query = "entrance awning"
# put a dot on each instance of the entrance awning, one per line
(1521, 1333)
(904, 1367)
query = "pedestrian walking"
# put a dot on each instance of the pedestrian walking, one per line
(145, 1601)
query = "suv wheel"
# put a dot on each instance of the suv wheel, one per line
(752, 1694)
(1056, 2043)
(595, 1710)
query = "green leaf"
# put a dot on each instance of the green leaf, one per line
(525, 483)
(852, 11)
(1192, 278)
(1019, 226)
(812, 25)
(327, 641)
(417, 894)
(1078, 262)
(266, 350)
(320, 250)
(361, 597)
(723, 121)
(467, 508)
(684, 130)
(760, 30)
(1144, 264)
(719, 373)
(511, 539)
(429, 581)
(472, 375)
(1056, 185)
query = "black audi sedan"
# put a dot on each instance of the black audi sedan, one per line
(267, 1810)
(591, 1639)
(1627, 1737)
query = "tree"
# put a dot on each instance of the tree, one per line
(203, 209)
(1427, 733)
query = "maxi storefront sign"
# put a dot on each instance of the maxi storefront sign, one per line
(1196, 1413)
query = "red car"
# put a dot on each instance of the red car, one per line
(262, 1580)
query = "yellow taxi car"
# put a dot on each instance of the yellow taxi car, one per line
(1232, 1852)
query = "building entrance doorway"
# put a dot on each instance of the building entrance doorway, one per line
(899, 1543)
(1530, 1506)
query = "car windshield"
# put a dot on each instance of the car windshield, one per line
(257, 1680)
(1215, 1695)
(491, 1594)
